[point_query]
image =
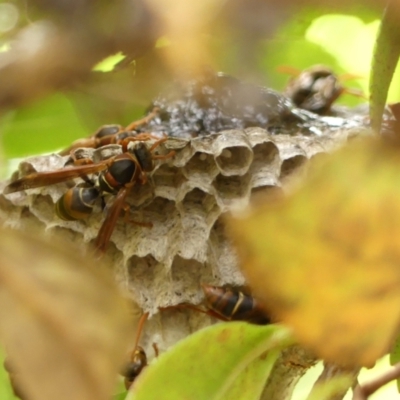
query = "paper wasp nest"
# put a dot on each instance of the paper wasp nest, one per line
(184, 199)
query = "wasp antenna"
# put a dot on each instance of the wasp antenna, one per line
(355, 92)
(288, 70)
(156, 144)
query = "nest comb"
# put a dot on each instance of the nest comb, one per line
(184, 199)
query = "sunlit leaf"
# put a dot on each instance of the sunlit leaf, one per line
(351, 45)
(109, 63)
(163, 41)
(120, 396)
(325, 260)
(6, 391)
(63, 324)
(46, 125)
(251, 381)
(208, 364)
(395, 357)
(386, 55)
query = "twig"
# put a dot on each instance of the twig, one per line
(287, 371)
(362, 392)
(332, 371)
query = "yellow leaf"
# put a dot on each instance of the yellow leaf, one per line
(63, 322)
(326, 260)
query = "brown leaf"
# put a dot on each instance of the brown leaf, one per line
(326, 260)
(63, 322)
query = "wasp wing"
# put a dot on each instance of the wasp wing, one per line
(39, 179)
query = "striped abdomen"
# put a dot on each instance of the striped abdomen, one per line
(77, 203)
(234, 305)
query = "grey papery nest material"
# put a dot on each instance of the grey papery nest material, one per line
(184, 198)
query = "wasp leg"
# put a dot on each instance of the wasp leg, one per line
(135, 124)
(156, 144)
(211, 313)
(87, 142)
(127, 209)
(142, 321)
(156, 351)
(138, 359)
(78, 161)
(161, 156)
(141, 137)
(164, 156)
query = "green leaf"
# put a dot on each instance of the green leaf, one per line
(109, 63)
(6, 391)
(209, 364)
(46, 125)
(386, 55)
(120, 391)
(395, 357)
(250, 383)
(120, 396)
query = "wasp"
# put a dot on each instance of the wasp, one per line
(137, 358)
(316, 88)
(231, 304)
(136, 364)
(228, 304)
(110, 134)
(116, 175)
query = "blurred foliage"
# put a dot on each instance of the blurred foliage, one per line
(309, 37)
(6, 391)
(395, 357)
(41, 127)
(384, 62)
(109, 63)
(54, 301)
(339, 234)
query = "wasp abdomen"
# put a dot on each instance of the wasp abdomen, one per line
(77, 203)
(134, 367)
(108, 130)
(232, 304)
